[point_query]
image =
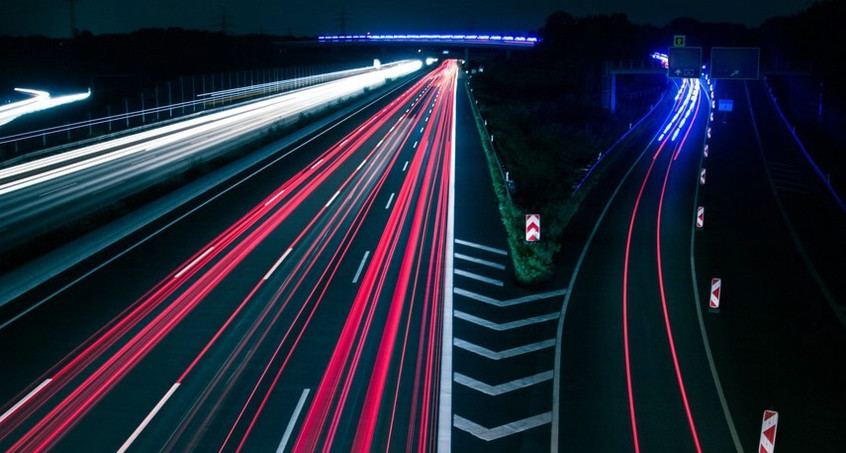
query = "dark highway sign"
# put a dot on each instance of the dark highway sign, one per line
(684, 62)
(739, 63)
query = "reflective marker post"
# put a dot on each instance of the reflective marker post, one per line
(769, 425)
(716, 291)
(533, 227)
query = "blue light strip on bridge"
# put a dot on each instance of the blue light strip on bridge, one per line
(505, 40)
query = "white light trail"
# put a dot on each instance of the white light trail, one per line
(213, 128)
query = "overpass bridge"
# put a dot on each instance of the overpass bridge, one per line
(481, 43)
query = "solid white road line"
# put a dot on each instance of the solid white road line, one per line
(489, 434)
(361, 266)
(445, 397)
(24, 400)
(389, 201)
(480, 261)
(294, 417)
(147, 419)
(275, 265)
(477, 277)
(482, 247)
(192, 263)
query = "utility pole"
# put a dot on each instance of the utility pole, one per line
(72, 17)
(225, 21)
(342, 21)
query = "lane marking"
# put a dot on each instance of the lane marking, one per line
(556, 386)
(480, 261)
(800, 247)
(316, 164)
(445, 395)
(389, 201)
(333, 198)
(499, 389)
(415, 144)
(278, 262)
(508, 325)
(24, 400)
(223, 192)
(509, 302)
(293, 421)
(489, 434)
(481, 247)
(58, 189)
(192, 263)
(404, 167)
(147, 419)
(506, 354)
(361, 266)
(275, 197)
(361, 164)
(477, 277)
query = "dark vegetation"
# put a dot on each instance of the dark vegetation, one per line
(545, 109)
(807, 53)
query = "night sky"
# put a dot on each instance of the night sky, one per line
(313, 17)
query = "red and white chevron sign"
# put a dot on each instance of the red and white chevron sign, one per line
(768, 432)
(533, 227)
(702, 177)
(716, 289)
(705, 150)
(700, 217)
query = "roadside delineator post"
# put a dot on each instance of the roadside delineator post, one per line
(716, 290)
(532, 227)
(702, 177)
(705, 150)
(700, 217)
(769, 425)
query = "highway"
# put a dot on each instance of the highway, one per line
(299, 310)
(644, 364)
(78, 182)
(634, 372)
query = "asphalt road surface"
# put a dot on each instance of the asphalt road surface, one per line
(645, 365)
(299, 310)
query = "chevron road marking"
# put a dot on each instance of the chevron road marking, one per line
(477, 277)
(505, 326)
(496, 390)
(506, 354)
(480, 261)
(482, 247)
(510, 302)
(490, 434)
